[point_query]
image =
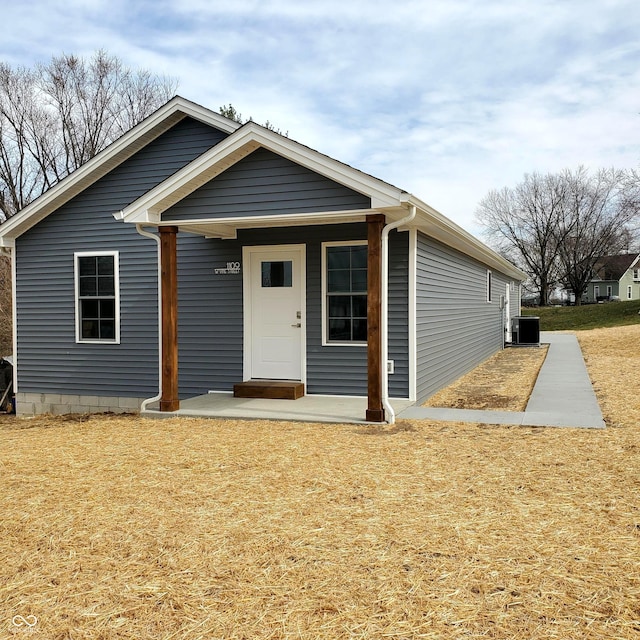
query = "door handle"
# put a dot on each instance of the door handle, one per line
(297, 324)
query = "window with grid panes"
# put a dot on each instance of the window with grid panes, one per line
(346, 291)
(97, 297)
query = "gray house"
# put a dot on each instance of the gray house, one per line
(615, 277)
(195, 254)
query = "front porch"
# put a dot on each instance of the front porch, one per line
(329, 409)
(275, 323)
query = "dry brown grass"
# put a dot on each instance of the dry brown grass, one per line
(184, 529)
(504, 382)
(613, 361)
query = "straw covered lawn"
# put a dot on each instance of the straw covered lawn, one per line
(118, 527)
(503, 382)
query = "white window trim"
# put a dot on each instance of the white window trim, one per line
(116, 270)
(323, 267)
(629, 292)
(489, 284)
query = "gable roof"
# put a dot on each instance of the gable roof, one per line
(247, 139)
(614, 267)
(241, 141)
(115, 154)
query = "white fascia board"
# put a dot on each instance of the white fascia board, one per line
(238, 145)
(143, 216)
(198, 112)
(117, 152)
(227, 227)
(348, 215)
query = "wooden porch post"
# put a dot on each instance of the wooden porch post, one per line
(169, 294)
(375, 410)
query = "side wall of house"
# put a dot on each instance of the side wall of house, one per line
(211, 311)
(627, 281)
(456, 327)
(56, 374)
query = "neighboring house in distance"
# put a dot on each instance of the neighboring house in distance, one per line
(195, 253)
(615, 277)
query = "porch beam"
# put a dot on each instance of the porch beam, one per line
(375, 409)
(169, 274)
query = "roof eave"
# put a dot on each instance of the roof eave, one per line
(434, 224)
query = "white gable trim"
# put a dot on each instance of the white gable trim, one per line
(237, 146)
(117, 152)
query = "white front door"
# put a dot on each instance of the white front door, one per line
(274, 312)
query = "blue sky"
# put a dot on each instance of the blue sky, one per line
(444, 98)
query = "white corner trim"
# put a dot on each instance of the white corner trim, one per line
(413, 326)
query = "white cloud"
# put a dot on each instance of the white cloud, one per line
(447, 99)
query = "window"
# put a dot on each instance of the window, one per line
(629, 292)
(277, 274)
(488, 286)
(345, 293)
(97, 297)
(609, 291)
(636, 274)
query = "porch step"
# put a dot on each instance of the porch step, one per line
(273, 389)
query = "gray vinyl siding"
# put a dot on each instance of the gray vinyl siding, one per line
(456, 328)
(210, 313)
(264, 183)
(49, 359)
(399, 313)
(210, 324)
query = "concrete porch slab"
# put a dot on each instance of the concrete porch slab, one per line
(329, 409)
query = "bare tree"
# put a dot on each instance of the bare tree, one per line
(555, 226)
(522, 223)
(55, 117)
(599, 210)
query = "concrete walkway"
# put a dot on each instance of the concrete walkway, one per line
(562, 396)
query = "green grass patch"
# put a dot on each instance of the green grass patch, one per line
(588, 316)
